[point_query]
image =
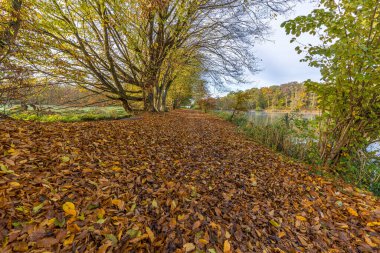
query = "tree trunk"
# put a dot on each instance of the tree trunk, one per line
(149, 104)
(126, 105)
(163, 101)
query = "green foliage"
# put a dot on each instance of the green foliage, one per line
(349, 58)
(290, 96)
(84, 114)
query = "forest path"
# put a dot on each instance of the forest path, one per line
(172, 182)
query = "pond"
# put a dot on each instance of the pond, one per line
(264, 117)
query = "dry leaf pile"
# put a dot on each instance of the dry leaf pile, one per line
(177, 182)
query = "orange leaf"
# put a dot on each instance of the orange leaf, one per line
(227, 247)
(150, 234)
(352, 211)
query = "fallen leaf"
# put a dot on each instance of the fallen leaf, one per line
(188, 247)
(369, 242)
(300, 218)
(352, 211)
(14, 184)
(226, 247)
(116, 169)
(150, 234)
(69, 240)
(274, 223)
(69, 209)
(37, 208)
(373, 224)
(119, 203)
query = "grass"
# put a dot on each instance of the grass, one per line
(62, 114)
(295, 137)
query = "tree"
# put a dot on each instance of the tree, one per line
(10, 23)
(240, 102)
(124, 49)
(349, 59)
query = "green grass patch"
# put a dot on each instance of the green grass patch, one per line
(60, 114)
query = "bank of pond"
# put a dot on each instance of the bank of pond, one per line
(294, 134)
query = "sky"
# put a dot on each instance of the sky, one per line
(279, 61)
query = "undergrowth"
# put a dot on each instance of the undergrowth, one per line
(296, 137)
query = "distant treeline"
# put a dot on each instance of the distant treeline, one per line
(290, 96)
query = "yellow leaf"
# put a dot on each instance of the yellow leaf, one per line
(253, 180)
(101, 213)
(369, 242)
(68, 241)
(352, 211)
(116, 169)
(301, 218)
(150, 234)
(182, 217)
(14, 184)
(12, 151)
(69, 209)
(203, 241)
(154, 203)
(189, 247)
(51, 221)
(281, 234)
(274, 223)
(226, 247)
(373, 223)
(119, 203)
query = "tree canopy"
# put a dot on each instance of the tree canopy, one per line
(133, 51)
(348, 56)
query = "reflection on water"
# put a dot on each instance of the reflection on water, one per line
(271, 117)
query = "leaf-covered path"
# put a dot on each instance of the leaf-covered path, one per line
(176, 182)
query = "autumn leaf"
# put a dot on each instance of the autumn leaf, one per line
(73, 228)
(116, 169)
(112, 238)
(154, 203)
(69, 208)
(352, 211)
(188, 247)
(373, 224)
(65, 159)
(14, 184)
(370, 242)
(119, 203)
(274, 223)
(300, 218)
(100, 213)
(38, 207)
(227, 247)
(203, 241)
(150, 234)
(20, 247)
(68, 241)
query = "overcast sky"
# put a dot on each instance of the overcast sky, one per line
(279, 61)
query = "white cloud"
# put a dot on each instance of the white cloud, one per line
(279, 61)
